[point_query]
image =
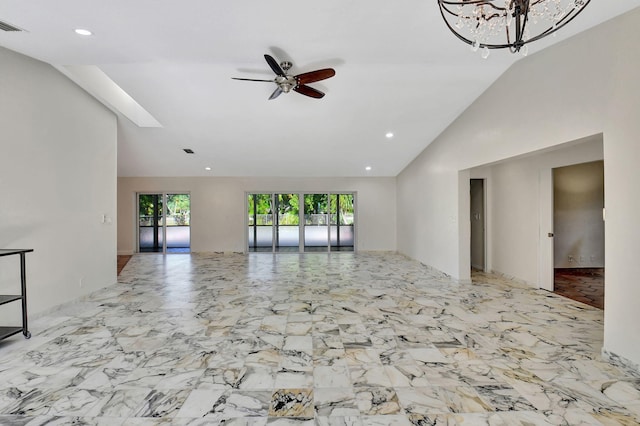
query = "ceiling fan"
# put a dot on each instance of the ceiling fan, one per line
(297, 83)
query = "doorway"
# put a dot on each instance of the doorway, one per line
(164, 223)
(477, 216)
(578, 244)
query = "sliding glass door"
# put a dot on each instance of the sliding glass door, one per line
(164, 222)
(274, 222)
(316, 222)
(341, 220)
(178, 223)
(260, 212)
(287, 225)
(150, 223)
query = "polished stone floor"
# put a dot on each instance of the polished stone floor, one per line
(315, 339)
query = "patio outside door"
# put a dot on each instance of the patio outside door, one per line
(260, 222)
(342, 220)
(298, 222)
(287, 225)
(164, 223)
(316, 222)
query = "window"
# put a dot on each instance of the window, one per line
(328, 222)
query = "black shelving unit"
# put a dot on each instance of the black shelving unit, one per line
(8, 298)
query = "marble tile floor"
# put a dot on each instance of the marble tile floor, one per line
(342, 339)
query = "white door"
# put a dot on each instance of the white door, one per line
(545, 234)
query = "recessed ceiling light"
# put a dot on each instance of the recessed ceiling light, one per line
(367, 168)
(83, 32)
(207, 168)
(389, 135)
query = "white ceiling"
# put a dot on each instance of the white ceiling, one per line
(398, 69)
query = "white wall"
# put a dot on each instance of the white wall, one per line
(57, 178)
(578, 198)
(218, 206)
(513, 205)
(622, 198)
(584, 86)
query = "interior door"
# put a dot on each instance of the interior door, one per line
(545, 237)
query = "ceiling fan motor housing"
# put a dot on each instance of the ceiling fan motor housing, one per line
(286, 82)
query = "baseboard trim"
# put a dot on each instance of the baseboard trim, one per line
(514, 279)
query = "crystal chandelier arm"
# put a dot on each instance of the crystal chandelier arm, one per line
(474, 2)
(445, 7)
(537, 2)
(500, 11)
(561, 23)
(482, 23)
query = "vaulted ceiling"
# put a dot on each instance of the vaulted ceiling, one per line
(398, 69)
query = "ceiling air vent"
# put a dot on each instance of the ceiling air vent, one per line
(8, 27)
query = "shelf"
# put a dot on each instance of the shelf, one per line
(6, 298)
(9, 252)
(9, 331)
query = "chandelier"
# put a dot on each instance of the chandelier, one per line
(507, 24)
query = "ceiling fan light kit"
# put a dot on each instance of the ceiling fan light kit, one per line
(298, 83)
(507, 24)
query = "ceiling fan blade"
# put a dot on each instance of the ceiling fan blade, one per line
(274, 65)
(313, 76)
(275, 93)
(308, 91)
(250, 79)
